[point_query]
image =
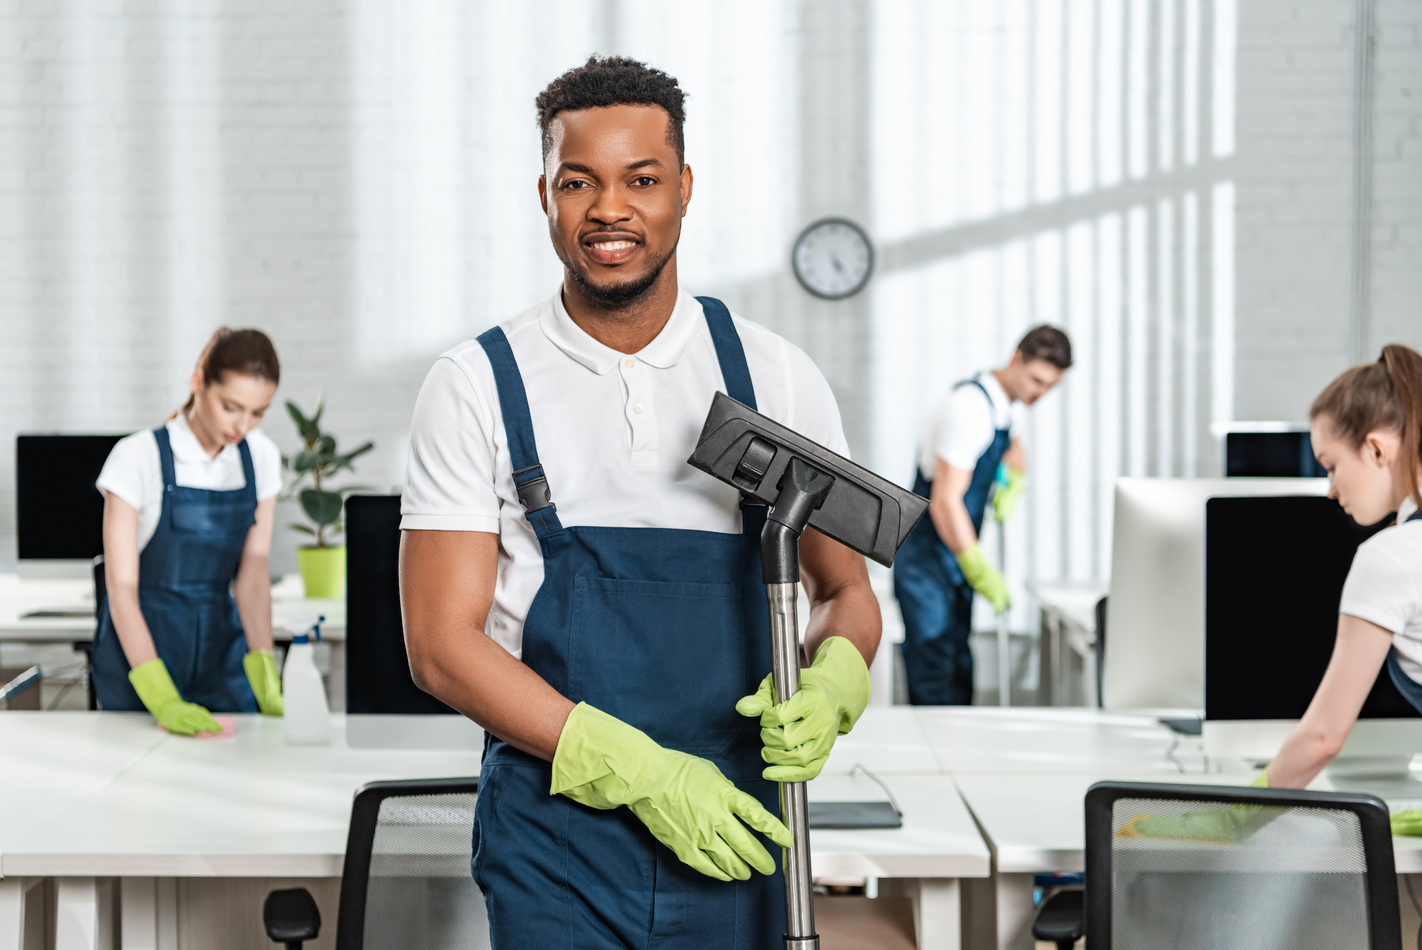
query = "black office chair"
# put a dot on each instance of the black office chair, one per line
(407, 880)
(1302, 870)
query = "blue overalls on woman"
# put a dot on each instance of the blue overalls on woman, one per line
(597, 633)
(935, 598)
(184, 578)
(185, 628)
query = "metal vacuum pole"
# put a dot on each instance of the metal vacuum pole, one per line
(802, 490)
(799, 882)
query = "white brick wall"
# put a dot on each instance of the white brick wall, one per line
(357, 179)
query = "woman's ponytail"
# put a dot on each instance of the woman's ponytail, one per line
(1385, 395)
(248, 351)
(1404, 369)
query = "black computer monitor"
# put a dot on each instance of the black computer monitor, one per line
(59, 515)
(1274, 572)
(377, 667)
(1271, 455)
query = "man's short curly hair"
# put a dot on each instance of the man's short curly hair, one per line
(613, 81)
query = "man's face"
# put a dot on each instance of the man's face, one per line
(614, 194)
(1034, 378)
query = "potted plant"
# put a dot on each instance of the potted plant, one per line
(323, 564)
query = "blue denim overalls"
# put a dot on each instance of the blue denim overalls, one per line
(185, 592)
(1410, 689)
(936, 602)
(664, 629)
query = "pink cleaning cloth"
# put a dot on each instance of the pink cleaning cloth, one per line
(229, 728)
(228, 724)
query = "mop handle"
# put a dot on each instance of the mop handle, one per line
(799, 884)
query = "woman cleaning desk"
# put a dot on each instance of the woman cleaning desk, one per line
(186, 627)
(1366, 429)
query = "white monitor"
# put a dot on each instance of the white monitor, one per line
(1155, 617)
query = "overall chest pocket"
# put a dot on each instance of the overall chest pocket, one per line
(214, 520)
(669, 658)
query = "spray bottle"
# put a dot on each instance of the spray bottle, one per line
(307, 717)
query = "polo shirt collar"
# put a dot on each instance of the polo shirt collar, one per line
(185, 444)
(663, 352)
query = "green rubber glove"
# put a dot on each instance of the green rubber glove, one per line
(984, 578)
(266, 681)
(155, 687)
(1407, 822)
(1221, 825)
(1005, 499)
(683, 800)
(799, 734)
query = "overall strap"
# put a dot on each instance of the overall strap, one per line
(529, 480)
(249, 472)
(165, 457)
(729, 351)
(992, 406)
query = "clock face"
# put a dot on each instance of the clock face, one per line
(833, 258)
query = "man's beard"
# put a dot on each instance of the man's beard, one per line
(618, 296)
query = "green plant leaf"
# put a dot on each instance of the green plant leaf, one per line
(307, 428)
(344, 461)
(303, 528)
(322, 507)
(325, 448)
(320, 408)
(304, 462)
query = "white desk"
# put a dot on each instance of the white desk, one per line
(937, 845)
(1042, 740)
(156, 809)
(887, 740)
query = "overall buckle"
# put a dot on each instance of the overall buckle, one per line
(534, 493)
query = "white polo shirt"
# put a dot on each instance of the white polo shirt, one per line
(1384, 586)
(134, 472)
(614, 431)
(963, 425)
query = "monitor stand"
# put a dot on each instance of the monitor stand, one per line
(54, 569)
(1388, 777)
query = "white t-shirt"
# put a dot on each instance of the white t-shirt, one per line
(134, 472)
(1384, 586)
(614, 432)
(963, 425)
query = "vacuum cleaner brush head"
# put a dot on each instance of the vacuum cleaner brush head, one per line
(752, 452)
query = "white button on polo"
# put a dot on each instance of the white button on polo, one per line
(637, 409)
(630, 363)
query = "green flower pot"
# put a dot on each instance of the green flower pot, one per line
(323, 571)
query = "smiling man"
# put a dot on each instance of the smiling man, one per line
(570, 583)
(972, 433)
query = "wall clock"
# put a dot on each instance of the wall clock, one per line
(833, 258)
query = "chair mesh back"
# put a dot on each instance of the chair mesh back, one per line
(421, 892)
(1192, 875)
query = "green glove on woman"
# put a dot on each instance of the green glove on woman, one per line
(798, 734)
(1008, 494)
(685, 801)
(984, 578)
(155, 688)
(266, 681)
(1220, 825)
